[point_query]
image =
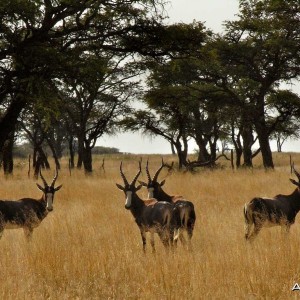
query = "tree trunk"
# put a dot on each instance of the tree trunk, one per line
(7, 151)
(238, 153)
(80, 152)
(34, 157)
(42, 157)
(80, 158)
(9, 119)
(87, 160)
(173, 148)
(58, 143)
(264, 143)
(181, 154)
(52, 147)
(237, 145)
(71, 150)
(203, 155)
(247, 144)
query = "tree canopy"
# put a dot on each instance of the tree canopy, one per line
(79, 65)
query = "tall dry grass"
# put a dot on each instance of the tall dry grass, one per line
(89, 247)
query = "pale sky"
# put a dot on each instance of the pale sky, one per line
(213, 13)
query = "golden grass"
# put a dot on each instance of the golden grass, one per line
(90, 248)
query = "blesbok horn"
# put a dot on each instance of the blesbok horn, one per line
(42, 177)
(147, 171)
(55, 177)
(122, 175)
(137, 175)
(158, 171)
(296, 173)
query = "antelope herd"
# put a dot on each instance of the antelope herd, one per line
(184, 216)
(169, 216)
(150, 215)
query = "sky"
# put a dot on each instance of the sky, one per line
(213, 13)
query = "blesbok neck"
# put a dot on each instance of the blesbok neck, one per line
(136, 205)
(162, 195)
(43, 200)
(295, 196)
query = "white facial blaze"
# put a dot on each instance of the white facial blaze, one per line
(49, 199)
(128, 199)
(150, 192)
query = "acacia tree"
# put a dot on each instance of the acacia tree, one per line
(262, 50)
(97, 97)
(41, 40)
(180, 108)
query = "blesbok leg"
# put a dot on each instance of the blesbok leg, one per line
(152, 241)
(143, 239)
(181, 237)
(171, 236)
(248, 223)
(176, 235)
(191, 224)
(248, 227)
(256, 230)
(164, 237)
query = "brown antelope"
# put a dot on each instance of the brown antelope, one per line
(184, 216)
(150, 215)
(265, 212)
(28, 213)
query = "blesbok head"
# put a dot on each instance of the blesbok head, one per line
(129, 188)
(49, 190)
(298, 176)
(153, 184)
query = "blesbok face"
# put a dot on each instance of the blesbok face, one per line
(49, 191)
(129, 188)
(153, 186)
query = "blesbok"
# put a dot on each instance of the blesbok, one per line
(265, 212)
(184, 216)
(28, 213)
(150, 215)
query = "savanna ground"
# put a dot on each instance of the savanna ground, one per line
(89, 247)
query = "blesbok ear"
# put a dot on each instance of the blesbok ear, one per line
(138, 187)
(163, 182)
(294, 182)
(40, 187)
(142, 183)
(58, 188)
(120, 187)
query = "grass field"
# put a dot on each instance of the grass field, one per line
(90, 248)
